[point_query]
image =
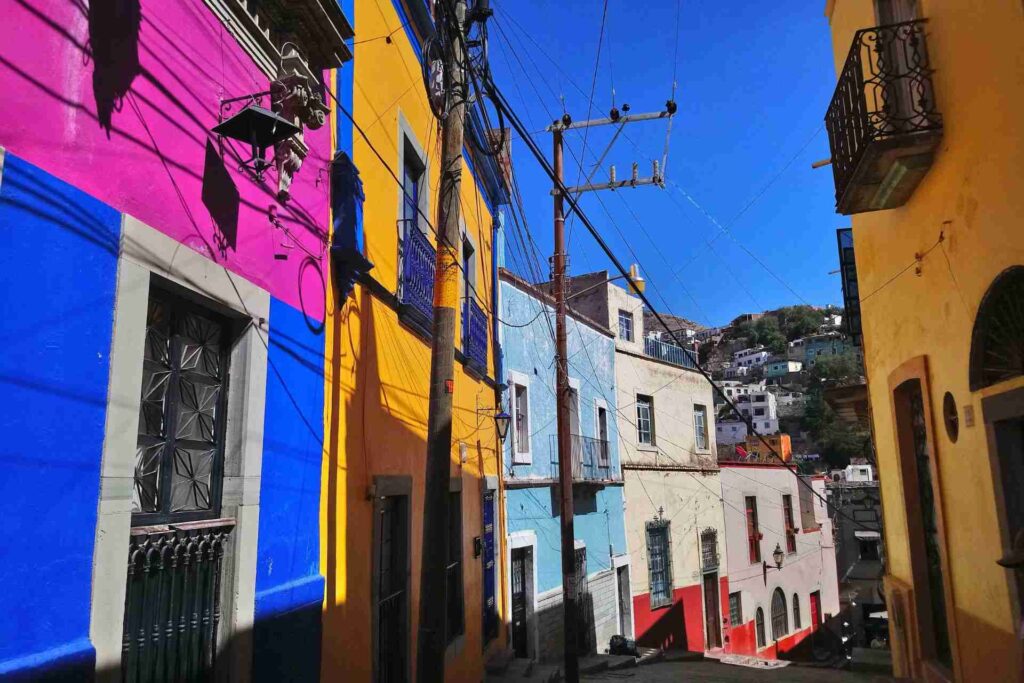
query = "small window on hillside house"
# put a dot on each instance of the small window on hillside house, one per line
(625, 325)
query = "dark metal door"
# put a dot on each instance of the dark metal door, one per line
(392, 612)
(519, 645)
(584, 625)
(712, 621)
(490, 604)
(625, 612)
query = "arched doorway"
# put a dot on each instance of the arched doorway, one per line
(997, 342)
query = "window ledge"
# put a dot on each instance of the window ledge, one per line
(649, 448)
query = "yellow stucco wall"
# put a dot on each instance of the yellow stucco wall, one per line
(974, 195)
(378, 376)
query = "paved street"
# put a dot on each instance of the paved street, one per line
(713, 671)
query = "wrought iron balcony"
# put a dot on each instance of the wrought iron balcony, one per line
(883, 125)
(670, 353)
(474, 335)
(591, 460)
(416, 286)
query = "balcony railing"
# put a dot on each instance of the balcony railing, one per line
(670, 353)
(882, 123)
(591, 459)
(416, 287)
(172, 605)
(474, 335)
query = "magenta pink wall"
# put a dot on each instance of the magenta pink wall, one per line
(117, 97)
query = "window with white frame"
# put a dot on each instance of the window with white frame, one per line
(645, 420)
(625, 325)
(700, 427)
(521, 418)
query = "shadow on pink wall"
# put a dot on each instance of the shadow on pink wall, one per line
(117, 97)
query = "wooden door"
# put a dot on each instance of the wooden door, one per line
(815, 610)
(712, 606)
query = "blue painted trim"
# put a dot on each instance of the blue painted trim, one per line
(304, 591)
(64, 662)
(345, 86)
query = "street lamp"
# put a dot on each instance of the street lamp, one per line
(778, 556)
(501, 423)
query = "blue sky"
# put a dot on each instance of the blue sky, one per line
(754, 80)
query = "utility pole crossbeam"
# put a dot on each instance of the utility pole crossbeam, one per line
(431, 640)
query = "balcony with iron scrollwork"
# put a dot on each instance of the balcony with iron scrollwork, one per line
(474, 336)
(591, 460)
(883, 125)
(416, 284)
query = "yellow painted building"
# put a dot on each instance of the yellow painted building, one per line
(927, 143)
(378, 368)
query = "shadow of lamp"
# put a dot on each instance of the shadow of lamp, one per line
(257, 127)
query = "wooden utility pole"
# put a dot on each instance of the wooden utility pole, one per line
(563, 392)
(431, 640)
(570, 605)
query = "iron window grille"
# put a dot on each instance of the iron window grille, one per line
(759, 627)
(179, 457)
(851, 289)
(796, 612)
(735, 608)
(884, 91)
(172, 601)
(474, 335)
(780, 619)
(659, 562)
(626, 325)
(455, 623)
(709, 549)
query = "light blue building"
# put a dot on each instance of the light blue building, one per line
(530, 472)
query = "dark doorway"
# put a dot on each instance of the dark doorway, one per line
(391, 589)
(625, 603)
(712, 620)
(1004, 417)
(520, 643)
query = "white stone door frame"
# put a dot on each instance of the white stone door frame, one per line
(143, 253)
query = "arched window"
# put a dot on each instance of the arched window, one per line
(796, 612)
(997, 343)
(759, 626)
(780, 620)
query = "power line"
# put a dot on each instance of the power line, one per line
(500, 101)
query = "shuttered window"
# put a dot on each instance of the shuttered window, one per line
(753, 531)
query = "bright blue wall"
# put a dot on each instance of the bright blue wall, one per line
(59, 265)
(528, 348)
(289, 586)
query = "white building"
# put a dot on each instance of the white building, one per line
(730, 432)
(752, 357)
(768, 509)
(735, 371)
(674, 520)
(733, 389)
(761, 407)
